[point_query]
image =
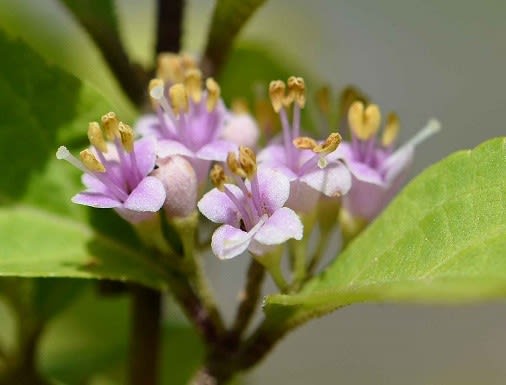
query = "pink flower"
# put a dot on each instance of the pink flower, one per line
(116, 175)
(306, 163)
(189, 122)
(378, 171)
(253, 214)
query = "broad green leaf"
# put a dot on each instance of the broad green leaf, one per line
(229, 16)
(89, 342)
(442, 240)
(42, 234)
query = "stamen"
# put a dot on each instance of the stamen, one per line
(96, 137)
(304, 143)
(364, 122)
(330, 144)
(323, 100)
(247, 160)
(170, 67)
(277, 94)
(91, 162)
(240, 106)
(156, 89)
(193, 84)
(297, 90)
(110, 123)
(213, 94)
(348, 96)
(217, 176)
(234, 165)
(64, 154)
(188, 61)
(433, 126)
(391, 130)
(178, 98)
(127, 136)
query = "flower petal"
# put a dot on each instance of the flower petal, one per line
(145, 154)
(241, 129)
(168, 147)
(216, 150)
(274, 188)
(149, 195)
(228, 242)
(96, 199)
(148, 125)
(303, 198)
(218, 208)
(333, 180)
(282, 225)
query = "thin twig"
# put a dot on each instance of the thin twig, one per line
(145, 338)
(169, 25)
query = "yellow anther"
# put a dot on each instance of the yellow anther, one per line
(234, 165)
(178, 98)
(247, 160)
(213, 94)
(91, 162)
(304, 143)
(127, 136)
(348, 96)
(110, 123)
(240, 106)
(391, 130)
(364, 122)
(188, 61)
(323, 100)
(193, 84)
(170, 68)
(217, 176)
(297, 90)
(277, 94)
(96, 137)
(156, 88)
(330, 144)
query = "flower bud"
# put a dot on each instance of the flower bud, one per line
(180, 182)
(241, 129)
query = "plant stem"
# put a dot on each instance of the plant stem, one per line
(145, 337)
(250, 297)
(169, 25)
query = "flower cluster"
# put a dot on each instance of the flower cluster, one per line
(258, 200)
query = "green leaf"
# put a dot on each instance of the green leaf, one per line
(442, 240)
(228, 18)
(42, 234)
(90, 342)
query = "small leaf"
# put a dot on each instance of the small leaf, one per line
(42, 234)
(442, 240)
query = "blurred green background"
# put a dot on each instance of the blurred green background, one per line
(420, 58)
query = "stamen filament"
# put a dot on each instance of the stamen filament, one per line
(240, 207)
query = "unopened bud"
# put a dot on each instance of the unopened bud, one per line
(180, 182)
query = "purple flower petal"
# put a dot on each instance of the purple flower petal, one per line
(168, 147)
(274, 188)
(216, 150)
(241, 129)
(96, 199)
(148, 125)
(273, 155)
(149, 195)
(282, 225)
(302, 197)
(145, 153)
(228, 242)
(93, 184)
(218, 208)
(365, 200)
(398, 163)
(333, 180)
